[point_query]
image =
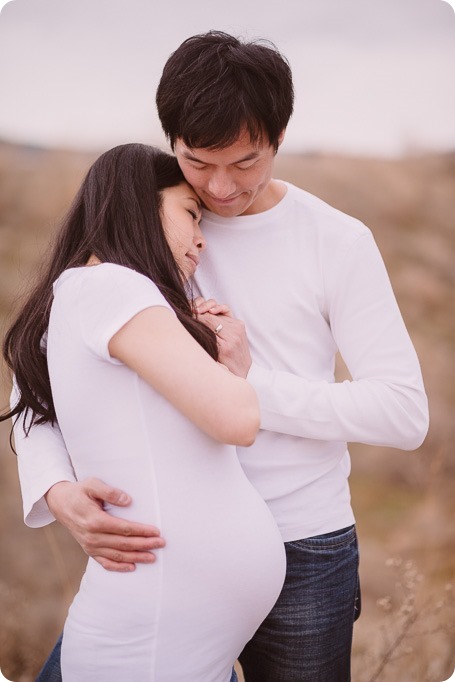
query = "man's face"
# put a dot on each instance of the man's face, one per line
(232, 181)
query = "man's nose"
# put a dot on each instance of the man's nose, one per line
(220, 185)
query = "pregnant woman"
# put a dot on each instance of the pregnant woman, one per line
(132, 379)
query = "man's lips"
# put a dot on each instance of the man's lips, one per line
(223, 201)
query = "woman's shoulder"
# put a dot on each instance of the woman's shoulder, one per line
(96, 301)
(106, 286)
(103, 276)
(99, 272)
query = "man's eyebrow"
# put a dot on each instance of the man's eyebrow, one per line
(191, 157)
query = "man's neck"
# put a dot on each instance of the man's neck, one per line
(269, 198)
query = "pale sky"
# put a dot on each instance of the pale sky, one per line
(371, 76)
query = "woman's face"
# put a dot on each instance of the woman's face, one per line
(181, 215)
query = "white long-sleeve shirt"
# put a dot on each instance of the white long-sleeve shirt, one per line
(307, 280)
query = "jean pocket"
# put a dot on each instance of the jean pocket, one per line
(329, 541)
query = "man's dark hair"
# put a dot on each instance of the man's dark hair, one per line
(214, 86)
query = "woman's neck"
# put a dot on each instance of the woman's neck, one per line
(93, 260)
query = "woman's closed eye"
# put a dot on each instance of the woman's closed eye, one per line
(194, 215)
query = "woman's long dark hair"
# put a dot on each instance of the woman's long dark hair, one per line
(116, 217)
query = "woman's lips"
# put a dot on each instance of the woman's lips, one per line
(193, 258)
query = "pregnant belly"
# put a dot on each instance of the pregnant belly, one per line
(224, 559)
(229, 555)
(212, 585)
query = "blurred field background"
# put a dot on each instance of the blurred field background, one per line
(404, 502)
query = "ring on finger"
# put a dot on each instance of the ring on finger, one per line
(218, 328)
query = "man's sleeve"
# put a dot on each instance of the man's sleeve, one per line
(42, 461)
(385, 403)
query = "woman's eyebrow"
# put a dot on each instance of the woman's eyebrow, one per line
(198, 203)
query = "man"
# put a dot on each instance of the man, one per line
(307, 280)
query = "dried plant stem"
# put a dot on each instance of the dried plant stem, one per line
(387, 657)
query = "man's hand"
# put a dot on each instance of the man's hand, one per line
(114, 543)
(232, 340)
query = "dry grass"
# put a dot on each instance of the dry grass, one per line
(403, 502)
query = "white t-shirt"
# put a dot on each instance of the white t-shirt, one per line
(187, 616)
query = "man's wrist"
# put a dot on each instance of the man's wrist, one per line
(53, 495)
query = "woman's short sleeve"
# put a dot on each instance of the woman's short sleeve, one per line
(109, 296)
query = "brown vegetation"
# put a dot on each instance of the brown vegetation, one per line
(403, 502)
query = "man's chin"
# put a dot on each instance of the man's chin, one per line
(227, 209)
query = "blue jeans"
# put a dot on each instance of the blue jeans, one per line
(307, 637)
(51, 671)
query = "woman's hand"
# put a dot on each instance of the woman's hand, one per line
(209, 305)
(232, 339)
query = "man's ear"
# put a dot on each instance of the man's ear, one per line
(280, 139)
(281, 136)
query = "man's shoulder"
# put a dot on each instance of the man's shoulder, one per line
(323, 216)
